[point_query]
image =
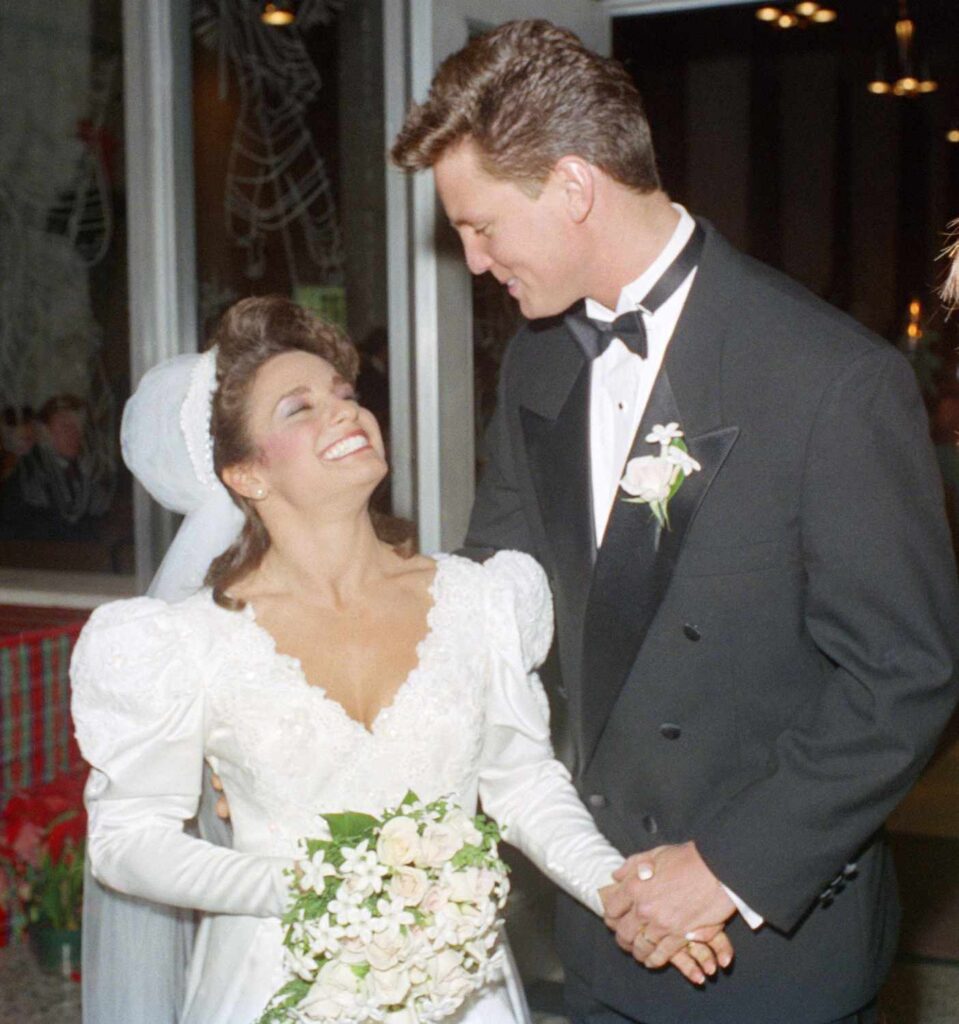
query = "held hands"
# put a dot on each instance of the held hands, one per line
(657, 908)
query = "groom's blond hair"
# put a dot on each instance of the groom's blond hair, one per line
(527, 94)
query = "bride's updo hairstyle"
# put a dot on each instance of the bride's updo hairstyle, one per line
(251, 333)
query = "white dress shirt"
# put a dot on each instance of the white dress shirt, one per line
(619, 388)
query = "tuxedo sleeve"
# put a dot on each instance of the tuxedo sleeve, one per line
(497, 521)
(881, 606)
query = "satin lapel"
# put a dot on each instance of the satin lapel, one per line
(558, 454)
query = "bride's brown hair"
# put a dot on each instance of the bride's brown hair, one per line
(251, 333)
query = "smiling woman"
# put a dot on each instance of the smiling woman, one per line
(324, 673)
(284, 386)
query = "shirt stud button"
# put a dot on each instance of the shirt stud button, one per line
(650, 824)
(669, 731)
(692, 633)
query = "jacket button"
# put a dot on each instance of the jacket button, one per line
(692, 633)
(669, 731)
(596, 800)
(650, 824)
(561, 692)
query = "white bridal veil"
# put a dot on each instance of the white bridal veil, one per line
(135, 952)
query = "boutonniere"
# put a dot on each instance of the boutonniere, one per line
(654, 479)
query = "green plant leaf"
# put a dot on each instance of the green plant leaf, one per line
(350, 825)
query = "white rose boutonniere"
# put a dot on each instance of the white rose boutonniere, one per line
(654, 479)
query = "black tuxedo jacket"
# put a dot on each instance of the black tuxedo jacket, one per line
(766, 677)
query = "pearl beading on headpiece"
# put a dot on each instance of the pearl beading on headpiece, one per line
(195, 416)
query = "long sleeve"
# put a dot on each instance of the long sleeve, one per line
(139, 712)
(881, 604)
(522, 786)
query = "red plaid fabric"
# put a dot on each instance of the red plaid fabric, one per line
(36, 732)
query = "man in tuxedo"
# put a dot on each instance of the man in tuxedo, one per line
(756, 660)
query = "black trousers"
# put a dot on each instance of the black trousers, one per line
(583, 1008)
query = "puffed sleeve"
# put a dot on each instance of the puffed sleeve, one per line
(138, 708)
(521, 785)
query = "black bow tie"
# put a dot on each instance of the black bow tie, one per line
(628, 327)
(594, 336)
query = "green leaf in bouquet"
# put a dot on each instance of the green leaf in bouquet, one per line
(410, 800)
(350, 825)
(313, 846)
(469, 856)
(285, 999)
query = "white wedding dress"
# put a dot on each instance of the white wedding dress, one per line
(160, 687)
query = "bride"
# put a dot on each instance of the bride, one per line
(317, 670)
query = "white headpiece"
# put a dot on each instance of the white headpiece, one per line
(166, 442)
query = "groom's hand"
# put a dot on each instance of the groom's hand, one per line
(664, 897)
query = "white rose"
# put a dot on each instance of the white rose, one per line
(409, 884)
(648, 478)
(389, 987)
(471, 885)
(399, 841)
(448, 976)
(476, 949)
(352, 950)
(434, 900)
(402, 1016)
(438, 844)
(387, 949)
(333, 993)
(463, 823)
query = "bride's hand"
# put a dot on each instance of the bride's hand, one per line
(694, 960)
(222, 804)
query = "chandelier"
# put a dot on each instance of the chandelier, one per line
(801, 15)
(279, 13)
(908, 82)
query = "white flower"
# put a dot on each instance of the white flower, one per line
(408, 884)
(664, 435)
(387, 949)
(314, 873)
(434, 900)
(463, 823)
(648, 478)
(323, 935)
(472, 884)
(364, 873)
(345, 901)
(682, 460)
(399, 841)
(449, 979)
(438, 844)
(402, 1016)
(389, 987)
(301, 964)
(333, 994)
(392, 915)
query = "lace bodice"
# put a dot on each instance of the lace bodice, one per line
(158, 688)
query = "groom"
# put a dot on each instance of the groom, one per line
(757, 635)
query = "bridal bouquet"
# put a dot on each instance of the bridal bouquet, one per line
(394, 919)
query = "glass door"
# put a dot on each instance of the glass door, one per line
(433, 305)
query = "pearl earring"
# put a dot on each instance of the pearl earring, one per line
(260, 492)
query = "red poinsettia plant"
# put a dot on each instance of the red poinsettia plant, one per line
(42, 839)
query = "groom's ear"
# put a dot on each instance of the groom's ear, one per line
(576, 178)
